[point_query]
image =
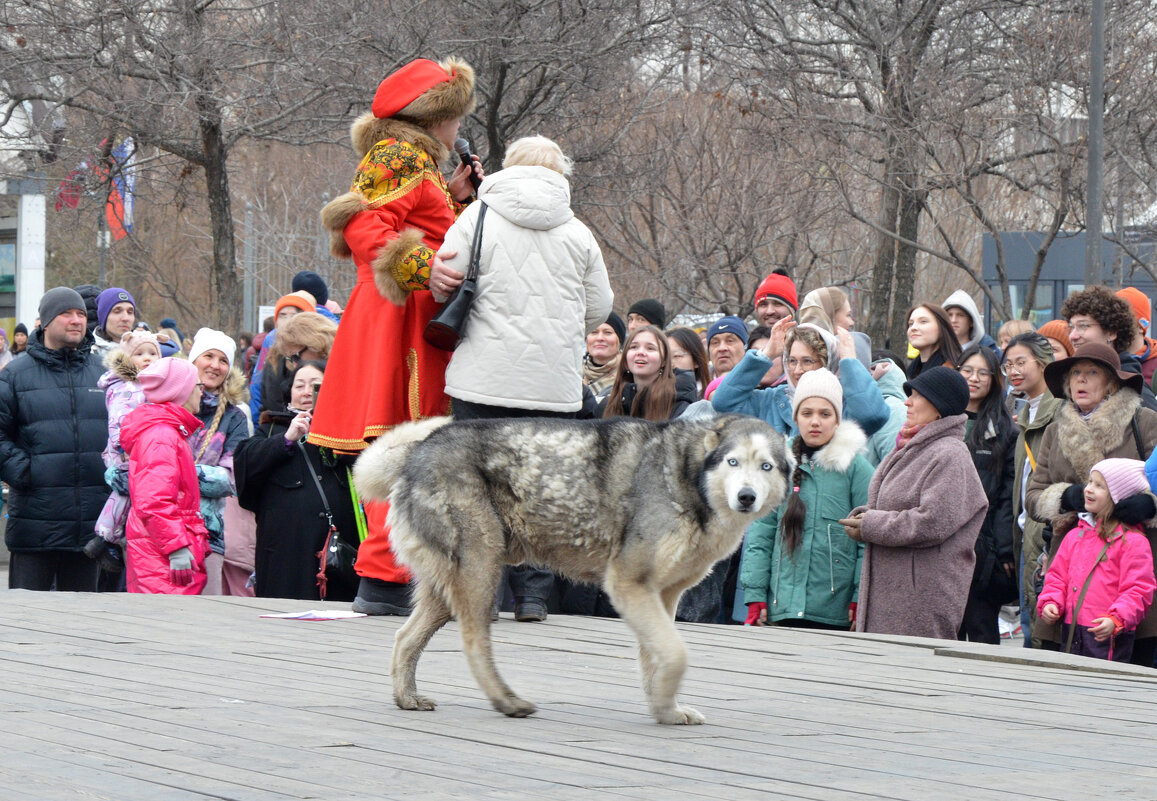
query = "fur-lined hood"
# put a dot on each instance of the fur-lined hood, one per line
(120, 368)
(235, 391)
(837, 456)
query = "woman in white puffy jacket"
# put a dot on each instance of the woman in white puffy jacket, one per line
(542, 285)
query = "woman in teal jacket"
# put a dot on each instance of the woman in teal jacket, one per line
(807, 347)
(799, 567)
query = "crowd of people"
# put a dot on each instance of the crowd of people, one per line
(930, 489)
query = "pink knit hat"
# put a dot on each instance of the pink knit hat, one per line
(1124, 477)
(132, 341)
(168, 380)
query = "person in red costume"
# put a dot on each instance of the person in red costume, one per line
(392, 221)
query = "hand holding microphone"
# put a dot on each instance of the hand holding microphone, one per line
(470, 168)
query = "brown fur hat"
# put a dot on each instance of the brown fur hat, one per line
(427, 92)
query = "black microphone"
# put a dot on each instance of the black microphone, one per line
(462, 148)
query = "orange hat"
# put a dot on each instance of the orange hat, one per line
(1142, 308)
(1058, 330)
(426, 91)
(300, 299)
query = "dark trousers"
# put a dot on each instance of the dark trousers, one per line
(67, 571)
(526, 582)
(1085, 644)
(980, 622)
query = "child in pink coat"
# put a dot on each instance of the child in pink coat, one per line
(1112, 558)
(166, 541)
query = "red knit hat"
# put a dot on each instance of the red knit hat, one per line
(1142, 308)
(407, 84)
(780, 287)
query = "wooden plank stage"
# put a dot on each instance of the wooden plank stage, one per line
(170, 698)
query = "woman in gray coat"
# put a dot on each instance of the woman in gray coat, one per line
(925, 509)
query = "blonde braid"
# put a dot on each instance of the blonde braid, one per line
(221, 406)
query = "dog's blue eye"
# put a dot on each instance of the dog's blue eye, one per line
(766, 466)
(733, 462)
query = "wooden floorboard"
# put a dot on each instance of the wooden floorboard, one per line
(124, 697)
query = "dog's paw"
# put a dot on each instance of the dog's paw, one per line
(680, 716)
(514, 707)
(418, 702)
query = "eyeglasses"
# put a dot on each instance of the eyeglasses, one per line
(1080, 328)
(1015, 367)
(803, 364)
(968, 372)
(295, 358)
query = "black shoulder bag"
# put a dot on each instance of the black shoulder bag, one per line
(336, 557)
(445, 328)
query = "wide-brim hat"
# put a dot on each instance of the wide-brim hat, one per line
(427, 92)
(1055, 372)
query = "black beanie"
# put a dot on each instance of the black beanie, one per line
(616, 322)
(651, 310)
(312, 283)
(944, 388)
(20, 328)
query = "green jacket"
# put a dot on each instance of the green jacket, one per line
(1028, 540)
(822, 577)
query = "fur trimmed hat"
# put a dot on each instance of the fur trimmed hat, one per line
(821, 383)
(427, 92)
(1124, 477)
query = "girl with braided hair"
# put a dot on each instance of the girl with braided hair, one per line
(798, 567)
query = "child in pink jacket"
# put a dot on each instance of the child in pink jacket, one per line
(166, 541)
(1112, 558)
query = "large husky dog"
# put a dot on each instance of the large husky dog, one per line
(642, 508)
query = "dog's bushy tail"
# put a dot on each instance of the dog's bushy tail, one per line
(377, 468)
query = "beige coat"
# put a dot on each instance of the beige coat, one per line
(1070, 448)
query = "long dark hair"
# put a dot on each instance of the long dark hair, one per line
(794, 514)
(992, 412)
(947, 346)
(689, 341)
(654, 402)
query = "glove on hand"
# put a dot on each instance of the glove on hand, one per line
(181, 567)
(756, 611)
(1074, 498)
(1135, 509)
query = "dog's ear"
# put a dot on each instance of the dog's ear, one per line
(715, 431)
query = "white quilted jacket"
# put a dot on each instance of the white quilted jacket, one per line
(542, 286)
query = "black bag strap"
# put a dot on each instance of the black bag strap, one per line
(1137, 437)
(317, 483)
(476, 246)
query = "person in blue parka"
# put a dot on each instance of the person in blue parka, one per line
(804, 347)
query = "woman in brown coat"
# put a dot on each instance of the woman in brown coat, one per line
(925, 509)
(1101, 419)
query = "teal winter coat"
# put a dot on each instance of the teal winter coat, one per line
(822, 577)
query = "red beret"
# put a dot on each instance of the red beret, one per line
(406, 84)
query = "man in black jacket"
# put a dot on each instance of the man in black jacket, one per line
(53, 427)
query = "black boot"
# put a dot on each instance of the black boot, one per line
(377, 597)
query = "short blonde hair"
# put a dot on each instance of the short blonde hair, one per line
(1014, 328)
(537, 151)
(305, 330)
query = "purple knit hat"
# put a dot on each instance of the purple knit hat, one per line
(1124, 477)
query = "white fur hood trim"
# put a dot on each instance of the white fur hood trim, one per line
(838, 454)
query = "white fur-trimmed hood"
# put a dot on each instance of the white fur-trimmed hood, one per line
(837, 456)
